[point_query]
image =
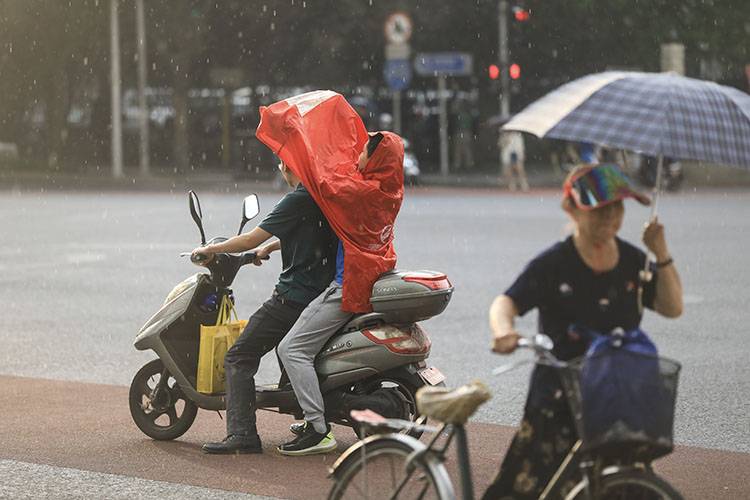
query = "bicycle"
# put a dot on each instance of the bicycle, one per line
(391, 465)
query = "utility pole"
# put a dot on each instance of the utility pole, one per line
(116, 90)
(443, 124)
(502, 51)
(140, 22)
(502, 30)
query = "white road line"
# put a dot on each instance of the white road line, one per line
(23, 480)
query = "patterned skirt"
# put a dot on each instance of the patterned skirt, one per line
(546, 435)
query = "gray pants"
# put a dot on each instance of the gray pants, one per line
(318, 322)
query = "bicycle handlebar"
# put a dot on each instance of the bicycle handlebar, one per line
(542, 347)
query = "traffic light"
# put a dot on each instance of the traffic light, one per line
(520, 14)
(514, 71)
(494, 71)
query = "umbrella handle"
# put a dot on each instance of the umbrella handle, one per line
(657, 186)
(645, 275)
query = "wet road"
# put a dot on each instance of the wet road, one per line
(80, 273)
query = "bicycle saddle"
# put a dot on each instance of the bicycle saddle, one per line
(452, 406)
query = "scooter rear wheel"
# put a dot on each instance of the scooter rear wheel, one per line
(157, 404)
(407, 384)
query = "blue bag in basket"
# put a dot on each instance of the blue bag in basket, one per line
(621, 391)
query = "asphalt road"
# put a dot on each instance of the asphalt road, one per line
(81, 271)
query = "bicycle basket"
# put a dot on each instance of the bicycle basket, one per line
(623, 402)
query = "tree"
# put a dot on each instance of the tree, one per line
(49, 47)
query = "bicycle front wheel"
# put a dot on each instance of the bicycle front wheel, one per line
(384, 471)
(629, 485)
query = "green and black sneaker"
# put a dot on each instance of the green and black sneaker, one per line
(310, 442)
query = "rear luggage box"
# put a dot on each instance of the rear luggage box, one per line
(409, 296)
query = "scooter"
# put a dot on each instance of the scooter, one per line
(385, 348)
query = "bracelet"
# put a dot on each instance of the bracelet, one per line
(665, 263)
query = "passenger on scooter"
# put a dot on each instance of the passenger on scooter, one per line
(381, 162)
(308, 250)
(591, 279)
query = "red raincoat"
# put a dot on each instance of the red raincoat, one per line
(320, 137)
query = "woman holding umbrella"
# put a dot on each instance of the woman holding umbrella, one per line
(592, 280)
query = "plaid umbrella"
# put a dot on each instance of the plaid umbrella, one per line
(659, 114)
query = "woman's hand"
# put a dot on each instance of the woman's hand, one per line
(506, 342)
(653, 238)
(504, 335)
(204, 251)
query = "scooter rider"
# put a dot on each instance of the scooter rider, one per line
(308, 252)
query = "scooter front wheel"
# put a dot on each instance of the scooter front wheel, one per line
(157, 404)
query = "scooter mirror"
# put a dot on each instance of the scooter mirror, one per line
(250, 209)
(197, 213)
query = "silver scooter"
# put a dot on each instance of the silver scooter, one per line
(383, 348)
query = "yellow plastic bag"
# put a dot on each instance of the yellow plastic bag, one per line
(215, 341)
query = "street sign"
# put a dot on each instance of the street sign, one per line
(397, 74)
(398, 27)
(443, 64)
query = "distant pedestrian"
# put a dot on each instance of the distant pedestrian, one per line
(513, 155)
(463, 135)
(584, 153)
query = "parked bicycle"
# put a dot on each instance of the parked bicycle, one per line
(392, 465)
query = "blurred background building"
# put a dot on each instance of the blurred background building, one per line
(210, 64)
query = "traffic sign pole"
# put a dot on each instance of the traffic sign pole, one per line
(443, 125)
(397, 29)
(397, 111)
(442, 65)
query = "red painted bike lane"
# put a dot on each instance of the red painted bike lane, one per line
(88, 427)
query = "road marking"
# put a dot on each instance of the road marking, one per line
(23, 480)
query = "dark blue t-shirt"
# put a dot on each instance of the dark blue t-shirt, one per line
(340, 264)
(567, 292)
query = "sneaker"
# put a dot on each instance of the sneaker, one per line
(310, 442)
(234, 444)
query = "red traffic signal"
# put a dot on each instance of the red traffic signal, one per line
(493, 71)
(514, 71)
(522, 15)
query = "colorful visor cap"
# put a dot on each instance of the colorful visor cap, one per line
(600, 185)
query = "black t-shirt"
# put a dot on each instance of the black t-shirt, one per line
(567, 292)
(308, 246)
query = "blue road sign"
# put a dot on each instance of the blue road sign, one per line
(443, 64)
(397, 74)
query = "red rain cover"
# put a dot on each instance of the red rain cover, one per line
(320, 137)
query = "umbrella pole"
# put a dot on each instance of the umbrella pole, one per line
(625, 163)
(646, 274)
(657, 186)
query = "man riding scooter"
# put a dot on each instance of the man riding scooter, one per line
(308, 251)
